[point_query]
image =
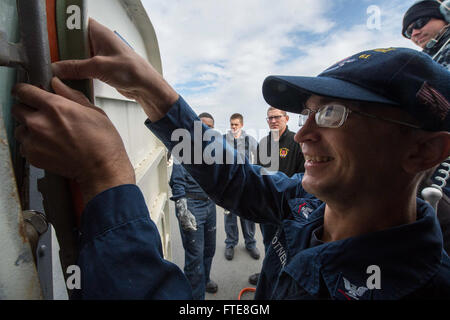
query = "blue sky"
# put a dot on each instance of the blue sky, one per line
(216, 54)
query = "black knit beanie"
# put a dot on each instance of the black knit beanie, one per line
(419, 10)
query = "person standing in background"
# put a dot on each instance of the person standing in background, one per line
(245, 145)
(291, 161)
(196, 214)
(426, 25)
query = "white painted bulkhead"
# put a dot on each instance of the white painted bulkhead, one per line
(147, 154)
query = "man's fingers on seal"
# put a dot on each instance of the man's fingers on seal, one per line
(20, 133)
(22, 151)
(75, 69)
(33, 96)
(22, 113)
(62, 89)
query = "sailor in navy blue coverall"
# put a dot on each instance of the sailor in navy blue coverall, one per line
(380, 113)
(196, 214)
(199, 244)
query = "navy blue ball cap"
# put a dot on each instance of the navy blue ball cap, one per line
(403, 78)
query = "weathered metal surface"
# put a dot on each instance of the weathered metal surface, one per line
(18, 276)
(11, 54)
(33, 34)
(56, 197)
(9, 25)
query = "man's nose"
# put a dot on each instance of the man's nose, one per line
(308, 131)
(415, 32)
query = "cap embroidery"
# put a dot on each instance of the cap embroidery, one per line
(432, 98)
(341, 64)
(384, 50)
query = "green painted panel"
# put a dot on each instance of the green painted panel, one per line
(73, 43)
(9, 25)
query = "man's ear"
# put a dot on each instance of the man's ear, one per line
(431, 149)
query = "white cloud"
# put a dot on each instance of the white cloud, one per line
(228, 47)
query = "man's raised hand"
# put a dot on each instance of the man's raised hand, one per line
(116, 64)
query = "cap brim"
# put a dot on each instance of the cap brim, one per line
(289, 93)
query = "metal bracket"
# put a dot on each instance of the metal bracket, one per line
(37, 220)
(40, 237)
(45, 263)
(35, 226)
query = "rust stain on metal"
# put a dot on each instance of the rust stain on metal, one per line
(32, 289)
(22, 230)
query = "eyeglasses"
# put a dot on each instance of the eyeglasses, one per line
(418, 24)
(334, 116)
(273, 118)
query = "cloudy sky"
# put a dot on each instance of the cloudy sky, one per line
(217, 53)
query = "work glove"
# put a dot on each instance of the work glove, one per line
(187, 219)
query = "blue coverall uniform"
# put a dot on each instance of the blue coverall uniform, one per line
(200, 245)
(121, 255)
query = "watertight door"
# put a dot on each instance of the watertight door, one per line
(18, 276)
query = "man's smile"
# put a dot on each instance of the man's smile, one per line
(317, 159)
